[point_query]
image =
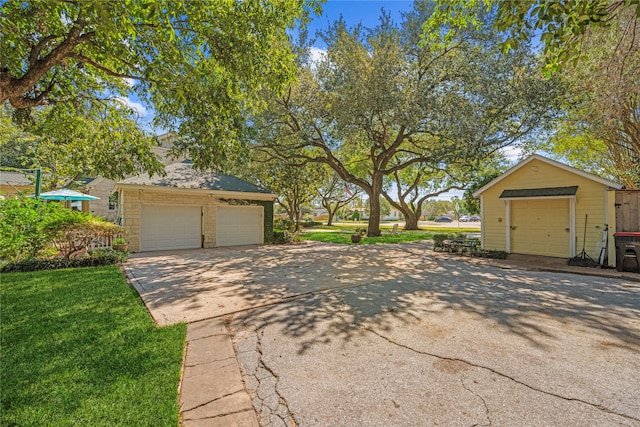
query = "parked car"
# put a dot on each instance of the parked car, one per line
(475, 218)
(464, 218)
(443, 219)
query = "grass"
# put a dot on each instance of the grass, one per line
(342, 234)
(345, 238)
(79, 348)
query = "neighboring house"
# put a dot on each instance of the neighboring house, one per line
(539, 206)
(394, 215)
(105, 188)
(13, 183)
(190, 209)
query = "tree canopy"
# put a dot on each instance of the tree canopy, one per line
(199, 64)
(379, 103)
(560, 24)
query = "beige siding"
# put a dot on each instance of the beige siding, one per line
(102, 188)
(591, 200)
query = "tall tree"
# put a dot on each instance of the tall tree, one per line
(560, 24)
(199, 64)
(418, 183)
(334, 193)
(601, 131)
(379, 103)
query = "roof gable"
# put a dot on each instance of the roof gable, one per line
(554, 163)
(183, 175)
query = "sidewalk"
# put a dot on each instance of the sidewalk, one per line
(212, 392)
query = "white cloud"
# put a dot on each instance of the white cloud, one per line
(130, 82)
(135, 106)
(316, 55)
(512, 153)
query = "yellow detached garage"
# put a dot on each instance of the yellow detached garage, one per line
(544, 207)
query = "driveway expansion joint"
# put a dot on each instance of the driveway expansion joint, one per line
(502, 375)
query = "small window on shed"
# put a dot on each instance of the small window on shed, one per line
(113, 201)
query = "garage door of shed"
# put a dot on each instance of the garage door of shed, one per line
(166, 227)
(239, 225)
(540, 227)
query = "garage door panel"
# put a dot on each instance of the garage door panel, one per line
(540, 227)
(239, 225)
(166, 227)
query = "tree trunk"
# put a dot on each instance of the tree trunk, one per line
(373, 229)
(410, 220)
(327, 206)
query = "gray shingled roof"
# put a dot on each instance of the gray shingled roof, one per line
(14, 178)
(183, 175)
(540, 192)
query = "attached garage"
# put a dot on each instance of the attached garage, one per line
(187, 209)
(239, 225)
(166, 227)
(544, 207)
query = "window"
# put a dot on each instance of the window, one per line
(113, 201)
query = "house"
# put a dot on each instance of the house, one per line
(13, 183)
(544, 207)
(105, 189)
(394, 215)
(190, 209)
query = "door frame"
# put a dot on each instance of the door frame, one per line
(572, 220)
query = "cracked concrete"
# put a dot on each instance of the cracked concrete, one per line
(212, 392)
(332, 335)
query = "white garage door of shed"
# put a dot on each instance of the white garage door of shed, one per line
(171, 227)
(239, 225)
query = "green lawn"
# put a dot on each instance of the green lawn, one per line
(342, 234)
(79, 348)
(342, 237)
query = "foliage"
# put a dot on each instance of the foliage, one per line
(22, 222)
(495, 254)
(72, 231)
(284, 224)
(601, 132)
(334, 193)
(561, 25)
(78, 348)
(96, 53)
(378, 103)
(472, 204)
(105, 256)
(29, 226)
(281, 237)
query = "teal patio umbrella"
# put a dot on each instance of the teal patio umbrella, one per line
(64, 194)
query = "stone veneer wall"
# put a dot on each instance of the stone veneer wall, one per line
(133, 199)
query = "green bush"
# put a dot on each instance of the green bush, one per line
(284, 224)
(308, 223)
(22, 222)
(496, 254)
(281, 236)
(73, 231)
(106, 256)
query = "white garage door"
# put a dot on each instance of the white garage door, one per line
(239, 225)
(171, 227)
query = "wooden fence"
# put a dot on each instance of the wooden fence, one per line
(627, 205)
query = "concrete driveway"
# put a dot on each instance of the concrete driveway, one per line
(396, 335)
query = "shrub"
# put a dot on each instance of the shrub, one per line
(281, 236)
(308, 223)
(106, 256)
(22, 222)
(72, 231)
(284, 224)
(496, 254)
